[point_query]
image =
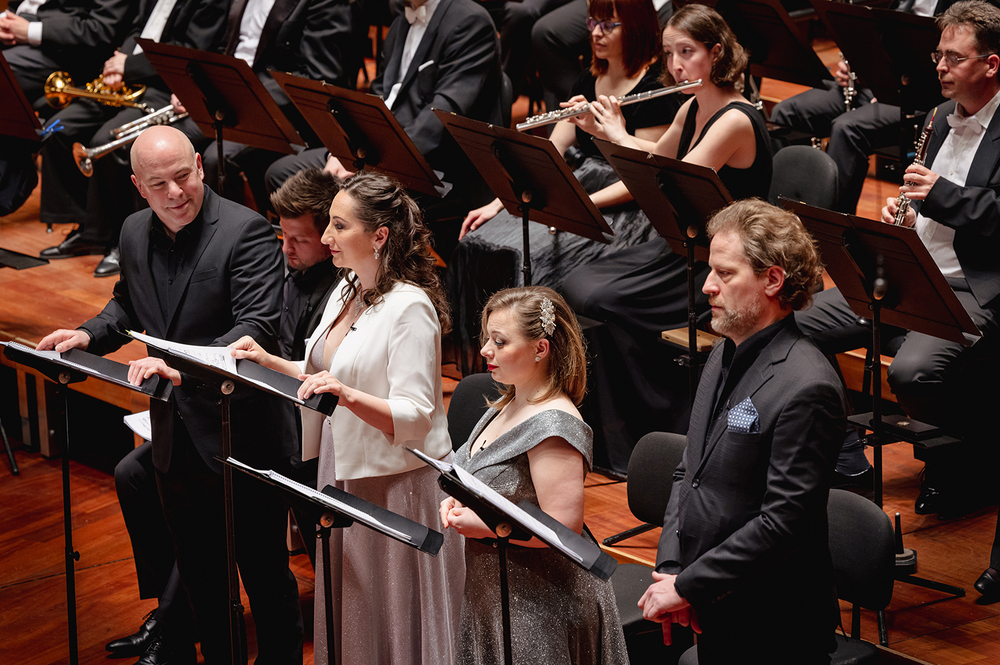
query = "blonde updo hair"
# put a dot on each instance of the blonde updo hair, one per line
(567, 352)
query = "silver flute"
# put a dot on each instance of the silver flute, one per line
(555, 116)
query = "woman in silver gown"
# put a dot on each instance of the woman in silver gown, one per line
(531, 444)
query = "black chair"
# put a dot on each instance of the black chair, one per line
(468, 404)
(804, 174)
(650, 474)
(863, 551)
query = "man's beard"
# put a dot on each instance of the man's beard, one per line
(739, 322)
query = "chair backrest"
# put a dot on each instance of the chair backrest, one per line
(650, 474)
(804, 174)
(863, 550)
(468, 404)
(506, 100)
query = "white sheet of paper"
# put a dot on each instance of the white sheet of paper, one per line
(215, 356)
(139, 423)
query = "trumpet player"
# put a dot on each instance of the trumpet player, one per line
(956, 213)
(42, 36)
(100, 204)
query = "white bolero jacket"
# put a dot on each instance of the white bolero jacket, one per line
(393, 353)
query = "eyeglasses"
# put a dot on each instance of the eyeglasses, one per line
(606, 26)
(951, 59)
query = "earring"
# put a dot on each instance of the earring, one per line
(537, 359)
(376, 253)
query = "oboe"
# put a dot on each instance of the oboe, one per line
(903, 203)
(562, 114)
(850, 90)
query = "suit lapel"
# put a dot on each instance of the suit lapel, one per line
(420, 55)
(759, 373)
(280, 12)
(985, 161)
(701, 410)
(210, 216)
(394, 54)
(941, 129)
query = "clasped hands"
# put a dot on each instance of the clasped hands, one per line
(661, 603)
(917, 183)
(464, 520)
(13, 29)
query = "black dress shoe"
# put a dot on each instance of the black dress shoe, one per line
(109, 264)
(73, 245)
(159, 652)
(988, 584)
(929, 501)
(136, 643)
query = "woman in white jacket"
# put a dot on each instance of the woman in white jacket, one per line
(378, 348)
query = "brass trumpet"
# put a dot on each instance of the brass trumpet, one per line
(125, 134)
(59, 92)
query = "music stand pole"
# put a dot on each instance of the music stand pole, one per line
(70, 553)
(525, 209)
(502, 542)
(235, 604)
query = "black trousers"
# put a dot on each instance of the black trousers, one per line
(853, 135)
(192, 497)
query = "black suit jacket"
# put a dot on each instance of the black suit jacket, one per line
(79, 28)
(233, 288)
(456, 68)
(746, 526)
(82, 33)
(197, 24)
(973, 210)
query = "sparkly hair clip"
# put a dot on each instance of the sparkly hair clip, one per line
(547, 315)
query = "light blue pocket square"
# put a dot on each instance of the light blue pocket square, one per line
(743, 418)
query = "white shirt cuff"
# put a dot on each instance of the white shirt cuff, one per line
(35, 33)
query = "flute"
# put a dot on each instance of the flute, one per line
(556, 116)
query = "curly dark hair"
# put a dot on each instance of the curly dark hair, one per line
(773, 236)
(380, 200)
(707, 26)
(567, 349)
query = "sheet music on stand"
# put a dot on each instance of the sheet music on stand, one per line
(243, 370)
(363, 512)
(529, 520)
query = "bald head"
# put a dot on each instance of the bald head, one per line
(167, 172)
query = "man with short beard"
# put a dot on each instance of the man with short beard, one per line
(744, 550)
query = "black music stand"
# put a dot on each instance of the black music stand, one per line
(530, 178)
(63, 369)
(359, 129)
(775, 45)
(886, 273)
(520, 522)
(222, 95)
(678, 198)
(247, 375)
(334, 508)
(889, 52)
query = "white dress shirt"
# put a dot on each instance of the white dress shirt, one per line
(418, 26)
(952, 162)
(156, 22)
(251, 27)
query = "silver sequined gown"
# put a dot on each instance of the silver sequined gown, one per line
(392, 604)
(560, 614)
